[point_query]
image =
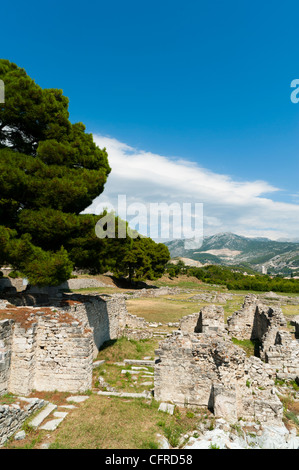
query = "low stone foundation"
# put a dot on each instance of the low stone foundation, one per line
(200, 366)
(205, 370)
(12, 417)
(210, 318)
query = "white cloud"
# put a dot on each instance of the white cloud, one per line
(235, 206)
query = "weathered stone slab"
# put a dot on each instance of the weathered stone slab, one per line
(52, 425)
(166, 408)
(97, 363)
(143, 394)
(133, 372)
(60, 414)
(140, 362)
(20, 435)
(78, 398)
(69, 407)
(36, 422)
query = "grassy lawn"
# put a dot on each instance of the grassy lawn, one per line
(162, 309)
(114, 352)
(117, 350)
(232, 306)
(99, 290)
(246, 344)
(117, 423)
(290, 310)
(167, 309)
(7, 399)
(136, 382)
(185, 282)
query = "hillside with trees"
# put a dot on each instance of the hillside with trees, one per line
(235, 278)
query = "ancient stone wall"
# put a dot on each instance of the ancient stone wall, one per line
(240, 324)
(283, 355)
(254, 320)
(267, 325)
(137, 334)
(6, 332)
(52, 348)
(106, 316)
(190, 323)
(210, 318)
(81, 283)
(12, 284)
(23, 361)
(205, 370)
(46, 351)
(63, 356)
(13, 416)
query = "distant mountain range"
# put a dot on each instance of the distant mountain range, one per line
(278, 257)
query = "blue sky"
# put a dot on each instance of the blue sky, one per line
(206, 82)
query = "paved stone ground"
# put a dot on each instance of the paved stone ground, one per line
(42, 421)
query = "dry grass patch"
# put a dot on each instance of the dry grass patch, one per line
(58, 398)
(161, 309)
(232, 306)
(185, 282)
(167, 309)
(100, 290)
(107, 423)
(117, 423)
(290, 310)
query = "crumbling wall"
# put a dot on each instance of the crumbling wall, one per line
(254, 320)
(212, 297)
(190, 323)
(6, 332)
(210, 318)
(240, 324)
(205, 370)
(52, 348)
(46, 351)
(200, 365)
(267, 325)
(107, 316)
(283, 355)
(13, 416)
(182, 370)
(104, 316)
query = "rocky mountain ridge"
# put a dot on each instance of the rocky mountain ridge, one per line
(277, 257)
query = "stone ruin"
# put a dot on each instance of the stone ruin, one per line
(49, 344)
(200, 366)
(267, 327)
